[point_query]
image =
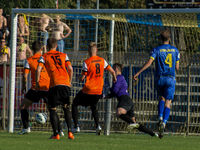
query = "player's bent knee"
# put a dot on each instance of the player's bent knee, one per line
(121, 111)
(25, 104)
(52, 109)
(66, 106)
(162, 98)
(168, 103)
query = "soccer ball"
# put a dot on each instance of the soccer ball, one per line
(41, 118)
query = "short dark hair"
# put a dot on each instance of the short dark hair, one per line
(119, 66)
(36, 46)
(91, 45)
(51, 43)
(165, 35)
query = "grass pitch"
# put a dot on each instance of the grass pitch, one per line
(89, 141)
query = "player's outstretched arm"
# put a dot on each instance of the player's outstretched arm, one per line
(70, 71)
(177, 65)
(38, 71)
(113, 74)
(146, 65)
(82, 77)
(25, 77)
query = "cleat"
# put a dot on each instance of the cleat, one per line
(61, 133)
(159, 122)
(156, 135)
(98, 130)
(160, 136)
(133, 126)
(161, 129)
(76, 130)
(29, 130)
(25, 131)
(70, 135)
(55, 137)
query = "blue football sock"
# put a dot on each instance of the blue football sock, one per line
(161, 106)
(166, 115)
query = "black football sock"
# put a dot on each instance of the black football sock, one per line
(59, 126)
(146, 130)
(54, 121)
(95, 115)
(68, 118)
(75, 115)
(25, 118)
(126, 118)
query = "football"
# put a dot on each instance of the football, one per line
(41, 118)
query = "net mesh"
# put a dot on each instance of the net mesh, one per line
(134, 37)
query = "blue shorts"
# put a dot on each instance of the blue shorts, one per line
(166, 87)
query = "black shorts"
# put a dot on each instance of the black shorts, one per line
(86, 99)
(58, 95)
(35, 96)
(125, 102)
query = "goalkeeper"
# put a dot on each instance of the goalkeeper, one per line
(125, 109)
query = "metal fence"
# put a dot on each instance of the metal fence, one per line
(184, 117)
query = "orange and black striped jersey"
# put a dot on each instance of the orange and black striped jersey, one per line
(56, 63)
(93, 68)
(31, 65)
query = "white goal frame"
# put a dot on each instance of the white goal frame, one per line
(72, 11)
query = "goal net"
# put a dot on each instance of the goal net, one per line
(136, 33)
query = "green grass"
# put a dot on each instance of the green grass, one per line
(89, 141)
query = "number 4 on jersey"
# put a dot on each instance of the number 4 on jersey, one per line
(168, 60)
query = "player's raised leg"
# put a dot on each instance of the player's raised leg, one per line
(130, 119)
(161, 106)
(25, 116)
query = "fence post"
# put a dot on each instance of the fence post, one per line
(131, 81)
(188, 101)
(77, 30)
(108, 102)
(97, 26)
(4, 97)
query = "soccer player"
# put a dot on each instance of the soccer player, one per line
(60, 71)
(93, 71)
(33, 95)
(167, 60)
(125, 109)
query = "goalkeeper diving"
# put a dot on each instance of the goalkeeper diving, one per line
(125, 106)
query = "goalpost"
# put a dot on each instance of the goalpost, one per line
(127, 36)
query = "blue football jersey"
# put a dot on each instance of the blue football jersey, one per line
(166, 57)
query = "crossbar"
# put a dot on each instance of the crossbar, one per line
(106, 11)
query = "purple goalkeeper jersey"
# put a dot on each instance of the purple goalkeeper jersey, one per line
(120, 87)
